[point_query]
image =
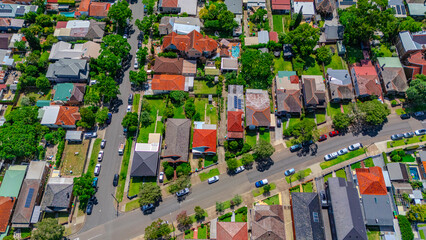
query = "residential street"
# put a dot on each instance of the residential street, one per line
(132, 224)
(105, 210)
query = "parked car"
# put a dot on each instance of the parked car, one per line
(342, 151)
(95, 182)
(295, 147)
(408, 134)
(323, 197)
(161, 177)
(307, 143)
(182, 192)
(322, 138)
(213, 179)
(405, 116)
(333, 133)
(89, 208)
(419, 114)
(261, 183)
(129, 108)
(239, 169)
(108, 121)
(125, 36)
(136, 65)
(130, 99)
(115, 180)
(397, 136)
(420, 132)
(355, 146)
(147, 209)
(289, 172)
(330, 156)
(100, 156)
(97, 169)
(139, 44)
(278, 122)
(103, 143)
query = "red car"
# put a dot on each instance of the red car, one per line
(322, 138)
(333, 133)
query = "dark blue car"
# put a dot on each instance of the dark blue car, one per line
(108, 121)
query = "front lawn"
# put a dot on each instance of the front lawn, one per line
(94, 156)
(343, 158)
(293, 121)
(373, 235)
(136, 101)
(405, 141)
(356, 165)
(202, 232)
(313, 67)
(260, 191)
(135, 185)
(251, 137)
(240, 215)
(320, 115)
(204, 87)
(369, 162)
(293, 178)
(206, 175)
(189, 234)
(326, 177)
(308, 187)
(264, 135)
(278, 23)
(179, 112)
(132, 205)
(123, 169)
(74, 158)
(274, 200)
(341, 173)
(209, 160)
(333, 109)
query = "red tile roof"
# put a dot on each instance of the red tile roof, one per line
(6, 207)
(84, 6)
(205, 138)
(371, 181)
(169, 3)
(231, 231)
(99, 9)
(52, 1)
(273, 36)
(281, 5)
(368, 80)
(418, 60)
(61, 24)
(3, 86)
(67, 116)
(168, 82)
(193, 40)
(235, 127)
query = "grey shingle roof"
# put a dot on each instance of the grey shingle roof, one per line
(177, 140)
(397, 171)
(307, 217)
(289, 101)
(394, 79)
(57, 195)
(334, 32)
(26, 201)
(267, 222)
(145, 164)
(68, 68)
(377, 210)
(235, 6)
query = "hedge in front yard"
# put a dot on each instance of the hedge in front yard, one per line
(405, 227)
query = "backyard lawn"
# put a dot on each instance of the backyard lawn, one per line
(342, 158)
(295, 189)
(320, 115)
(212, 114)
(35, 95)
(155, 104)
(251, 137)
(308, 187)
(202, 232)
(336, 61)
(179, 112)
(313, 67)
(333, 109)
(373, 235)
(293, 121)
(274, 200)
(341, 173)
(278, 23)
(206, 175)
(94, 156)
(74, 158)
(204, 87)
(17, 57)
(281, 65)
(287, 21)
(402, 142)
(369, 162)
(260, 191)
(200, 106)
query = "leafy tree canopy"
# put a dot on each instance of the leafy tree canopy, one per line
(303, 39)
(49, 229)
(263, 149)
(158, 230)
(149, 194)
(256, 69)
(375, 112)
(416, 93)
(83, 189)
(120, 12)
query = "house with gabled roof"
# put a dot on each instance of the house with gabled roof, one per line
(371, 181)
(366, 81)
(267, 222)
(79, 29)
(288, 93)
(340, 85)
(69, 93)
(68, 70)
(58, 195)
(314, 91)
(176, 147)
(179, 25)
(55, 116)
(398, 7)
(85, 50)
(146, 157)
(414, 64)
(192, 45)
(392, 75)
(281, 6)
(235, 125)
(231, 231)
(165, 83)
(12, 181)
(204, 139)
(307, 219)
(258, 108)
(409, 43)
(398, 172)
(174, 66)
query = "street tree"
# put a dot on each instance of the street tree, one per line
(184, 221)
(120, 13)
(302, 131)
(130, 121)
(341, 121)
(247, 159)
(149, 194)
(263, 149)
(116, 44)
(417, 213)
(88, 118)
(416, 93)
(108, 88)
(141, 55)
(220, 207)
(138, 77)
(158, 230)
(232, 164)
(267, 188)
(303, 39)
(83, 189)
(237, 199)
(102, 115)
(108, 62)
(199, 213)
(48, 229)
(374, 112)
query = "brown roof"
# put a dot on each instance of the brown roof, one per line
(4, 40)
(258, 108)
(367, 79)
(168, 82)
(193, 40)
(341, 91)
(289, 101)
(176, 140)
(6, 207)
(168, 65)
(231, 231)
(78, 92)
(394, 79)
(67, 116)
(99, 9)
(313, 96)
(268, 222)
(84, 6)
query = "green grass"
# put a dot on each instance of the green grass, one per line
(25, 233)
(293, 121)
(326, 177)
(369, 162)
(356, 165)
(160, 127)
(287, 20)
(373, 235)
(204, 87)
(260, 191)
(212, 114)
(136, 100)
(251, 137)
(401, 142)
(206, 175)
(354, 54)
(155, 104)
(135, 185)
(343, 158)
(281, 65)
(202, 232)
(341, 173)
(179, 112)
(336, 62)
(190, 235)
(144, 133)
(94, 156)
(265, 135)
(278, 25)
(34, 94)
(333, 109)
(200, 106)
(400, 111)
(17, 58)
(293, 177)
(274, 200)
(123, 170)
(308, 187)
(208, 160)
(239, 217)
(313, 67)
(8, 110)
(195, 220)
(346, 107)
(422, 234)
(132, 205)
(295, 189)
(320, 115)
(408, 158)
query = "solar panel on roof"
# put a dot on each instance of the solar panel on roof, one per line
(239, 104)
(403, 10)
(20, 10)
(2, 10)
(235, 102)
(29, 197)
(33, 8)
(398, 9)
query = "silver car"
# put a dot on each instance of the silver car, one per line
(342, 151)
(213, 179)
(330, 156)
(239, 169)
(355, 146)
(100, 156)
(97, 169)
(397, 136)
(409, 135)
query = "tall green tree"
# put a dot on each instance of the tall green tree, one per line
(43, 84)
(120, 13)
(256, 69)
(141, 55)
(138, 77)
(324, 55)
(158, 230)
(303, 39)
(341, 121)
(302, 131)
(416, 93)
(263, 149)
(107, 87)
(149, 194)
(374, 112)
(88, 118)
(116, 44)
(417, 213)
(102, 115)
(48, 229)
(130, 121)
(83, 189)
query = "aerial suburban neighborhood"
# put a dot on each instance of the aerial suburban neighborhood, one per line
(222, 119)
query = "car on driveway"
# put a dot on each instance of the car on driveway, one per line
(89, 208)
(213, 179)
(161, 177)
(100, 156)
(97, 169)
(408, 134)
(289, 172)
(405, 116)
(296, 147)
(330, 156)
(261, 183)
(419, 114)
(342, 151)
(182, 192)
(147, 209)
(397, 136)
(239, 169)
(333, 133)
(355, 146)
(115, 180)
(103, 143)
(322, 138)
(420, 132)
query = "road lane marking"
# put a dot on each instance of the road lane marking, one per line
(95, 237)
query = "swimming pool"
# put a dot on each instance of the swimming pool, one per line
(414, 173)
(235, 51)
(68, 14)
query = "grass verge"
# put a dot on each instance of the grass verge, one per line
(405, 141)
(206, 175)
(136, 101)
(293, 178)
(123, 170)
(260, 191)
(94, 156)
(343, 158)
(132, 205)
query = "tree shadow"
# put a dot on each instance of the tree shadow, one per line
(264, 164)
(115, 104)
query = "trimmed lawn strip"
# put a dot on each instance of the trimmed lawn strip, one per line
(135, 185)
(123, 170)
(308, 187)
(278, 25)
(400, 111)
(320, 116)
(336, 62)
(274, 200)
(265, 135)
(343, 158)
(293, 121)
(200, 106)
(136, 100)
(204, 87)
(373, 235)
(206, 175)
(251, 137)
(295, 189)
(422, 234)
(356, 165)
(132, 205)
(290, 179)
(369, 162)
(341, 173)
(160, 127)
(346, 108)
(94, 156)
(333, 109)
(287, 20)
(202, 232)
(144, 133)
(260, 191)
(401, 142)
(178, 112)
(72, 161)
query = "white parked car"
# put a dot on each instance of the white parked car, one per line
(420, 132)
(97, 169)
(355, 146)
(129, 108)
(342, 151)
(100, 156)
(161, 177)
(239, 169)
(103, 143)
(213, 179)
(331, 156)
(136, 65)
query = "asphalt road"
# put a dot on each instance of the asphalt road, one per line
(132, 224)
(105, 210)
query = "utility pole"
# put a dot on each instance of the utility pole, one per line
(116, 201)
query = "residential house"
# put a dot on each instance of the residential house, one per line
(231, 231)
(235, 6)
(378, 211)
(6, 209)
(204, 139)
(258, 108)
(417, 197)
(58, 195)
(6, 58)
(16, 10)
(68, 70)
(179, 25)
(11, 24)
(188, 6)
(314, 91)
(366, 81)
(408, 43)
(4, 40)
(93, 9)
(55, 116)
(398, 7)
(340, 85)
(392, 75)
(74, 136)
(165, 83)
(229, 64)
(332, 33)
(253, 4)
(371, 181)
(16, 37)
(235, 125)
(79, 30)
(343, 4)
(325, 7)
(64, 50)
(263, 37)
(176, 140)
(397, 172)
(281, 6)
(402, 187)
(178, 6)
(146, 157)
(288, 93)
(12, 181)
(69, 93)
(30, 195)
(414, 64)
(416, 10)
(307, 219)
(235, 98)
(273, 36)
(27, 2)
(175, 66)
(237, 31)
(345, 212)
(192, 45)
(267, 222)
(306, 7)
